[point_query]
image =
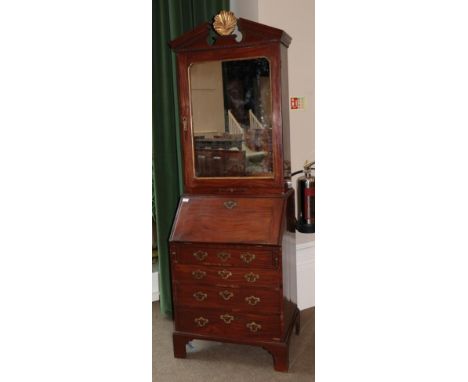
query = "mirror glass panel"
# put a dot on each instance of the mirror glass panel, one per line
(232, 118)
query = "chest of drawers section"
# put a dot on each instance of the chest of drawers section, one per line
(227, 291)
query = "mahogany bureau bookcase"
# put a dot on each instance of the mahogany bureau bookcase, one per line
(232, 244)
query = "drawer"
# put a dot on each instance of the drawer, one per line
(227, 323)
(227, 256)
(253, 300)
(225, 276)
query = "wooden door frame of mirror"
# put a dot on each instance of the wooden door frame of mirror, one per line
(258, 40)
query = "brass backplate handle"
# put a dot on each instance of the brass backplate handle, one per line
(227, 318)
(201, 321)
(247, 257)
(252, 300)
(200, 296)
(253, 326)
(224, 274)
(198, 274)
(230, 204)
(226, 295)
(223, 256)
(251, 277)
(200, 255)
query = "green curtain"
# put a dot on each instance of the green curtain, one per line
(171, 18)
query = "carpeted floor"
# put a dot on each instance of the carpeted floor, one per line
(219, 362)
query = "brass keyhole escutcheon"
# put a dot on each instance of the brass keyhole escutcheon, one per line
(224, 274)
(201, 321)
(247, 257)
(252, 300)
(223, 256)
(200, 255)
(251, 277)
(200, 296)
(226, 295)
(227, 318)
(253, 326)
(198, 274)
(230, 204)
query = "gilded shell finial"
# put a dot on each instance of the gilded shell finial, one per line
(225, 23)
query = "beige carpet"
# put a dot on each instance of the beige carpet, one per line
(213, 361)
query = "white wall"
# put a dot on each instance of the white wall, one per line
(297, 18)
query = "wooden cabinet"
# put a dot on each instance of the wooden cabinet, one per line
(232, 245)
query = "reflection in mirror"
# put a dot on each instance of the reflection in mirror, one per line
(232, 118)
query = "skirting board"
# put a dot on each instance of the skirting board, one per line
(305, 263)
(155, 287)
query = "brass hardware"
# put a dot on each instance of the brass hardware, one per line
(224, 23)
(253, 326)
(223, 256)
(252, 300)
(247, 257)
(184, 123)
(224, 274)
(227, 318)
(251, 277)
(200, 255)
(230, 204)
(200, 296)
(201, 321)
(198, 274)
(226, 295)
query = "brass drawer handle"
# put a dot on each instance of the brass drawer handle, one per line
(252, 300)
(230, 204)
(200, 296)
(198, 274)
(223, 256)
(227, 318)
(253, 326)
(247, 257)
(251, 277)
(224, 274)
(200, 255)
(201, 321)
(226, 295)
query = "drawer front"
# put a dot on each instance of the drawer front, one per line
(226, 256)
(227, 323)
(252, 300)
(226, 276)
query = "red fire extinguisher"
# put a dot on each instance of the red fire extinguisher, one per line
(305, 189)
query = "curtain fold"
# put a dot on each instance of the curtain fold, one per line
(171, 18)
